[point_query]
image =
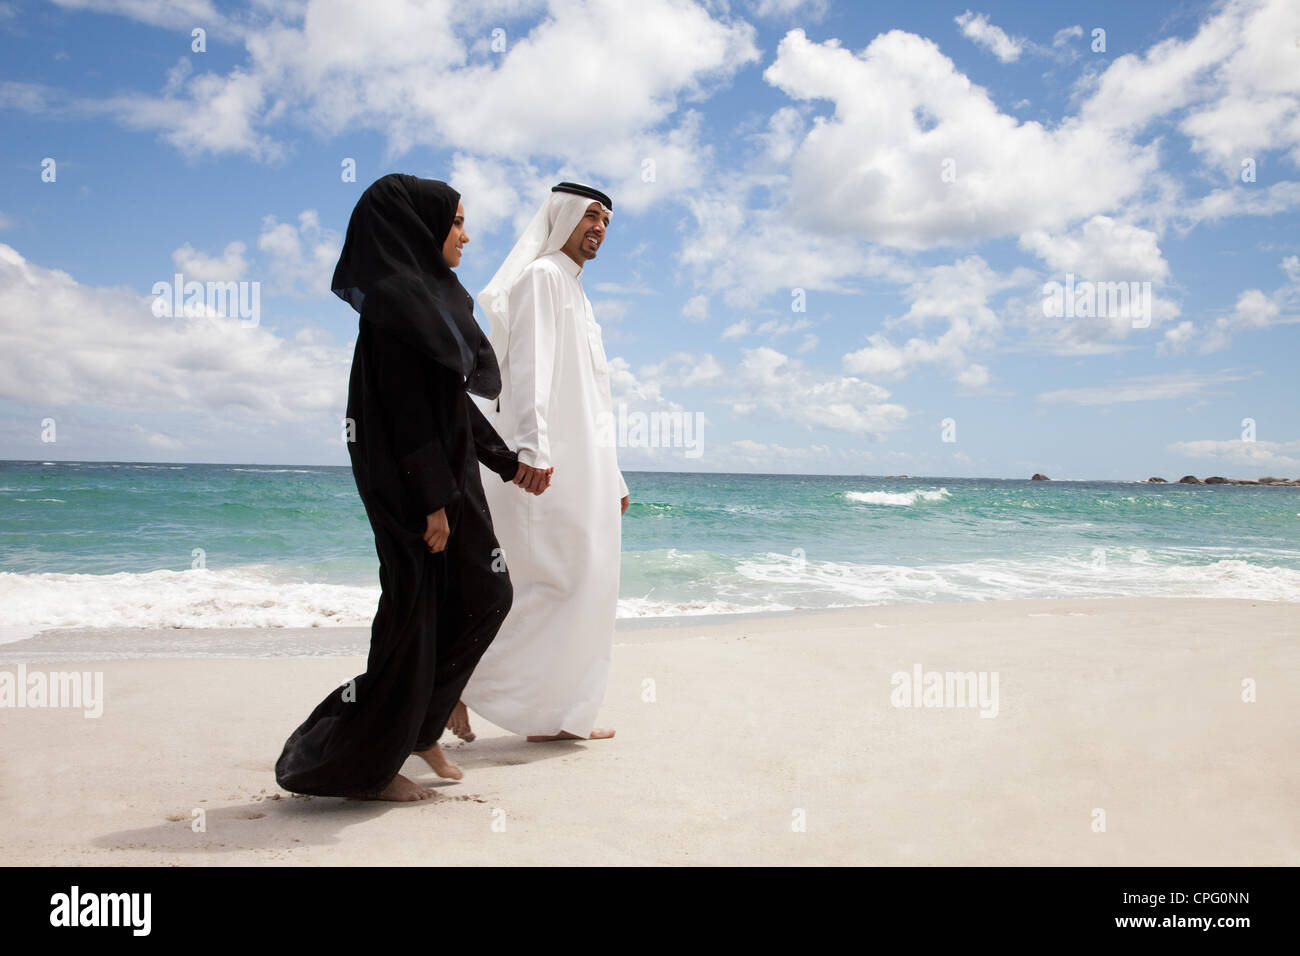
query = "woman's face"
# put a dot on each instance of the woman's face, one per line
(456, 237)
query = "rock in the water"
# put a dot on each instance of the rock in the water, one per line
(1157, 481)
(1270, 480)
(1190, 480)
(1216, 480)
(1040, 478)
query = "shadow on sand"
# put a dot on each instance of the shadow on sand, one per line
(285, 821)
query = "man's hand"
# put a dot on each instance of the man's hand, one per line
(534, 480)
(623, 509)
(436, 531)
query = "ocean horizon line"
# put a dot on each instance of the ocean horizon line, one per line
(626, 471)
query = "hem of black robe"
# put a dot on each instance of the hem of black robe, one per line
(308, 791)
(295, 781)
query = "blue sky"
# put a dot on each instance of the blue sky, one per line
(911, 175)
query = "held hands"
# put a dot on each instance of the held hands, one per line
(533, 480)
(436, 531)
(623, 505)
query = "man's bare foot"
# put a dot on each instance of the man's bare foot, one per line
(443, 767)
(459, 722)
(402, 790)
(597, 733)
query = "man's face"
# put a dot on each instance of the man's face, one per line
(588, 235)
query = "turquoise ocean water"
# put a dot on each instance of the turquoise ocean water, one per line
(193, 545)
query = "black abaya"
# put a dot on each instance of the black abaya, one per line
(418, 441)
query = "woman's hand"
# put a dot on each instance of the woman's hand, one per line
(436, 531)
(534, 480)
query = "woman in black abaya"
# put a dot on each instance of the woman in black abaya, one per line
(415, 438)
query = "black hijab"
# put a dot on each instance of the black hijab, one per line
(392, 272)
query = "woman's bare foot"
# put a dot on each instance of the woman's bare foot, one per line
(459, 722)
(598, 733)
(443, 767)
(402, 790)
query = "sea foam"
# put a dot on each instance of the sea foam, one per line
(896, 498)
(248, 596)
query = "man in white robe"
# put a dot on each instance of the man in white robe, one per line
(544, 674)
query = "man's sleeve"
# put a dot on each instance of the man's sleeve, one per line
(489, 447)
(534, 321)
(402, 384)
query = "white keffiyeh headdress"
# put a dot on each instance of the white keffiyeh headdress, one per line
(548, 231)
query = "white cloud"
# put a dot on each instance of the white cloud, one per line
(1150, 388)
(903, 113)
(696, 308)
(1087, 189)
(1240, 200)
(599, 81)
(485, 189)
(589, 74)
(170, 14)
(777, 328)
(790, 9)
(624, 385)
(1235, 83)
(1105, 250)
(973, 376)
(788, 389)
(1249, 454)
(705, 370)
(1253, 310)
(104, 347)
(680, 369)
(736, 330)
(1063, 36)
(765, 380)
(769, 457)
(785, 130)
(747, 254)
(300, 258)
(199, 266)
(1177, 339)
(200, 114)
(296, 259)
(609, 310)
(976, 27)
(872, 170)
(957, 294)
(157, 440)
(773, 329)
(623, 288)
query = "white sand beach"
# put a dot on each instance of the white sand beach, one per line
(742, 740)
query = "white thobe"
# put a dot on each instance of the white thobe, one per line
(545, 671)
